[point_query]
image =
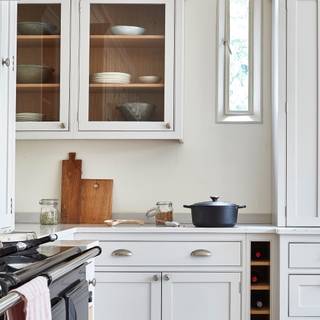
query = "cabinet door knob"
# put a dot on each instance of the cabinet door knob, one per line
(166, 277)
(201, 253)
(6, 62)
(62, 125)
(93, 282)
(122, 252)
(168, 125)
(156, 277)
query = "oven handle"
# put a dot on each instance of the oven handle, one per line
(13, 298)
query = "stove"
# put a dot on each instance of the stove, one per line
(24, 257)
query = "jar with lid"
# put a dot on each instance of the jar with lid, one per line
(49, 211)
(163, 212)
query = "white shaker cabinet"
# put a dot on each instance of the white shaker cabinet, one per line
(170, 276)
(168, 296)
(303, 134)
(7, 114)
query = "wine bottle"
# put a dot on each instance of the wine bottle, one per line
(257, 301)
(255, 276)
(257, 252)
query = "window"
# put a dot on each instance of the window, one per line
(240, 37)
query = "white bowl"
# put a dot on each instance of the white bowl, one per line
(150, 79)
(127, 30)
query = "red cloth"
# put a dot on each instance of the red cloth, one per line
(36, 301)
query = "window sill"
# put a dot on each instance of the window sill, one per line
(250, 119)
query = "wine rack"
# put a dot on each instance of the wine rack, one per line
(260, 281)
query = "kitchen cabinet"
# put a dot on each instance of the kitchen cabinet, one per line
(299, 276)
(96, 93)
(7, 114)
(143, 275)
(303, 116)
(169, 295)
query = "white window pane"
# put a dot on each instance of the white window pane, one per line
(239, 60)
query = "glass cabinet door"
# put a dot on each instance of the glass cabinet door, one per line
(43, 65)
(126, 65)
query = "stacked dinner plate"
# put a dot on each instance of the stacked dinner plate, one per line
(110, 77)
(28, 116)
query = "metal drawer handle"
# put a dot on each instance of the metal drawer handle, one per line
(201, 253)
(122, 252)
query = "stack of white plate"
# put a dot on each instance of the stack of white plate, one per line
(110, 77)
(28, 116)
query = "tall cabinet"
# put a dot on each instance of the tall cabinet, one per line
(7, 112)
(303, 116)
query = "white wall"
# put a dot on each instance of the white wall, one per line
(231, 161)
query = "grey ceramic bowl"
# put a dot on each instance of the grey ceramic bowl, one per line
(136, 111)
(28, 73)
(36, 28)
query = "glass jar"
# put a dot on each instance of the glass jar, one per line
(49, 211)
(163, 212)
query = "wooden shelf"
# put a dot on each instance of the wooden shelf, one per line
(260, 263)
(140, 87)
(144, 41)
(35, 41)
(261, 286)
(263, 310)
(36, 87)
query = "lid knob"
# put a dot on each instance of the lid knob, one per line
(214, 198)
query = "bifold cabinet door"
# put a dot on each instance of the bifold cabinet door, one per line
(128, 296)
(303, 134)
(304, 295)
(204, 296)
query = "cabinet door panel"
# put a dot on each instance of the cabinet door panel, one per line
(129, 296)
(204, 296)
(303, 115)
(113, 60)
(304, 295)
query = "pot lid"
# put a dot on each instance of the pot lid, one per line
(214, 203)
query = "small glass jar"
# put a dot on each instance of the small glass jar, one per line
(49, 211)
(163, 212)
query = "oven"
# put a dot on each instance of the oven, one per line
(64, 268)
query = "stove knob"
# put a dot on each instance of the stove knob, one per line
(93, 282)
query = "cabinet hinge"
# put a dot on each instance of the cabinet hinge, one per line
(78, 116)
(286, 107)
(11, 205)
(80, 6)
(12, 63)
(285, 211)
(240, 287)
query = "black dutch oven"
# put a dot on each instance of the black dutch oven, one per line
(214, 213)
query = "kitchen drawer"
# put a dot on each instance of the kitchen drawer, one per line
(304, 255)
(139, 253)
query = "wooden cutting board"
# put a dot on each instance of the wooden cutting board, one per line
(96, 200)
(71, 189)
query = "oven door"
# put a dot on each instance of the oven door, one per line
(77, 302)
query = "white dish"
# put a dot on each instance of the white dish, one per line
(29, 116)
(110, 77)
(127, 30)
(150, 79)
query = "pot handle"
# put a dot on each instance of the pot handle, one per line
(187, 206)
(241, 207)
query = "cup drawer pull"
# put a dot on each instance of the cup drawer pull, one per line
(122, 252)
(201, 253)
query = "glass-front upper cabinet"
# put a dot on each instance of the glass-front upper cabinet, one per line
(42, 100)
(127, 65)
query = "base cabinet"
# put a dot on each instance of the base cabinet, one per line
(168, 296)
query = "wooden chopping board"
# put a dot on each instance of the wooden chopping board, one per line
(96, 200)
(71, 189)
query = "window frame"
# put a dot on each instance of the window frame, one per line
(254, 113)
